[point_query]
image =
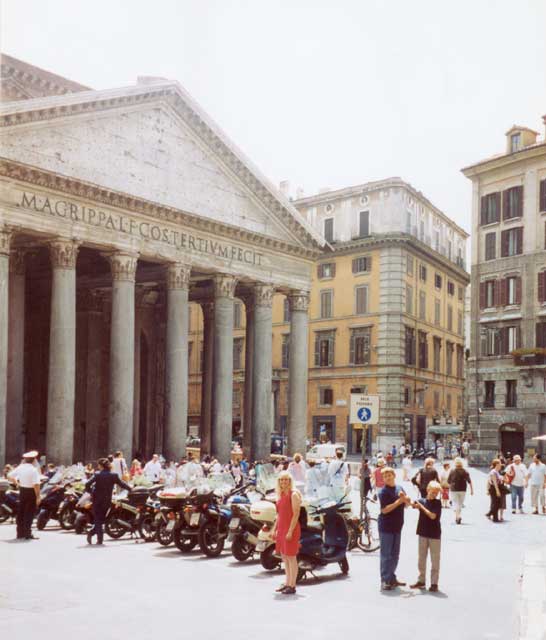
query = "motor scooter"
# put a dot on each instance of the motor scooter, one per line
(9, 501)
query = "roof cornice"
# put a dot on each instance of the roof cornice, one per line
(79, 189)
(36, 76)
(13, 114)
(506, 159)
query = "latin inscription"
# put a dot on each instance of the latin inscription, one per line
(145, 230)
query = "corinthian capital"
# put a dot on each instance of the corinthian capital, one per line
(123, 266)
(298, 300)
(177, 275)
(63, 253)
(5, 239)
(263, 295)
(224, 286)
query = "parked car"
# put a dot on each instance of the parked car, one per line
(326, 451)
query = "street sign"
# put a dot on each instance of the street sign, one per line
(364, 409)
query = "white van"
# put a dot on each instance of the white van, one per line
(325, 451)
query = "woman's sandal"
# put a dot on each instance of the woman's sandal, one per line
(288, 591)
(280, 589)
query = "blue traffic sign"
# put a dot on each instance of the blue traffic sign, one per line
(364, 414)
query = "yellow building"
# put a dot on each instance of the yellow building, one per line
(386, 317)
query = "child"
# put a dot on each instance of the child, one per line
(430, 533)
(444, 474)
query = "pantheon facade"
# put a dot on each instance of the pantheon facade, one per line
(118, 208)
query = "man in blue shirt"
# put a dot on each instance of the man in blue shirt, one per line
(393, 500)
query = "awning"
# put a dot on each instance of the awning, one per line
(445, 430)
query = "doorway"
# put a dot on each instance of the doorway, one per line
(324, 429)
(512, 439)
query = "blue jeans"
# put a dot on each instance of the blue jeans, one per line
(516, 492)
(389, 554)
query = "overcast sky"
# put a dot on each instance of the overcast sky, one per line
(323, 93)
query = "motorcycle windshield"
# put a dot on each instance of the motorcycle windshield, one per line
(325, 484)
(266, 478)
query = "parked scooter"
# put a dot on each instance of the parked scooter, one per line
(84, 514)
(51, 498)
(67, 508)
(127, 511)
(9, 501)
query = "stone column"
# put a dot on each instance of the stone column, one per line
(176, 355)
(222, 407)
(15, 442)
(122, 353)
(261, 373)
(62, 353)
(93, 403)
(297, 372)
(249, 365)
(5, 238)
(207, 378)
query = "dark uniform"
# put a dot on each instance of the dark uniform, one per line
(101, 486)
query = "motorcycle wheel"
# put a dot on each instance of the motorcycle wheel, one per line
(183, 543)
(146, 529)
(113, 528)
(42, 520)
(163, 536)
(80, 524)
(302, 574)
(210, 542)
(4, 515)
(67, 518)
(268, 559)
(353, 538)
(369, 541)
(344, 566)
(241, 549)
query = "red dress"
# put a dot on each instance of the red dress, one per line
(284, 510)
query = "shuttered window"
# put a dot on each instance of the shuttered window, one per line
(449, 358)
(490, 246)
(326, 304)
(488, 294)
(437, 344)
(460, 361)
(512, 242)
(363, 224)
(362, 264)
(237, 352)
(326, 270)
(285, 351)
(361, 300)
(490, 208)
(500, 341)
(324, 348)
(359, 352)
(542, 199)
(541, 334)
(286, 310)
(423, 350)
(542, 286)
(410, 346)
(512, 203)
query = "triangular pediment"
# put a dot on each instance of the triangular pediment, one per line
(151, 144)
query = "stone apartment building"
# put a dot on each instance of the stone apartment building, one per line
(507, 367)
(386, 316)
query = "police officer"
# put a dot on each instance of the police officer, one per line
(28, 481)
(101, 486)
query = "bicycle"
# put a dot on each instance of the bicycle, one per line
(363, 532)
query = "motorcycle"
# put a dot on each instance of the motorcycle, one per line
(186, 530)
(67, 508)
(51, 498)
(128, 510)
(9, 501)
(171, 504)
(84, 514)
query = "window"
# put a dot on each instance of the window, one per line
(237, 315)
(460, 361)
(326, 303)
(409, 265)
(488, 294)
(359, 351)
(409, 299)
(542, 196)
(437, 241)
(436, 401)
(460, 293)
(510, 290)
(422, 272)
(326, 270)
(324, 348)
(512, 203)
(489, 400)
(511, 393)
(361, 300)
(420, 398)
(407, 396)
(285, 351)
(450, 288)
(437, 346)
(237, 353)
(512, 339)
(541, 335)
(236, 398)
(286, 310)
(541, 288)
(437, 281)
(329, 229)
(449, 317)
(511, 242)
(500, 341)
(422, 305)
(423, 350)
(326, 397)
(362, 264)
(363, 224)
(410, 346)
(437, 312)
(408, 221)
(460, 323)
(490, 208)
(515, 142)
(449, 358)
(448, 404)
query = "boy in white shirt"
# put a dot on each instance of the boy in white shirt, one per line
(517, 474)
(537, 481)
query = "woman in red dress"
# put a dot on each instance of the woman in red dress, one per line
(286, 530)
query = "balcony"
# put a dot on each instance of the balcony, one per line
(529, 357)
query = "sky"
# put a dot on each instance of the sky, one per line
(321, 93)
